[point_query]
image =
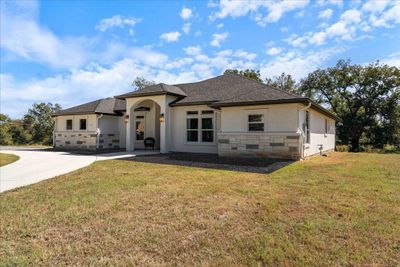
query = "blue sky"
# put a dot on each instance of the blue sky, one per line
(71, 52)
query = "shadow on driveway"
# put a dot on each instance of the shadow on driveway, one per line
(213, 161)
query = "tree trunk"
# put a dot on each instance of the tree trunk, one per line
(355, 144)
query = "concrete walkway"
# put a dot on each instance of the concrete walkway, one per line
(37, 165)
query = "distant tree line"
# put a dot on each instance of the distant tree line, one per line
(365, 97)
(35, 127)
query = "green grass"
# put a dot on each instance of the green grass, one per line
(334, 211)
(7, 159)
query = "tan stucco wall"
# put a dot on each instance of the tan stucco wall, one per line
(91, 122)
(317, 133)
(278, 118)
(111, 135)
(178, 131)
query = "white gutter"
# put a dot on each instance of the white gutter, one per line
(98, 131)
(302, 132)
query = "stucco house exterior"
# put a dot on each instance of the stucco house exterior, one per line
(229, 115)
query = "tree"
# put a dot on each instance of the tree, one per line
(140, 83)
(252, 74)
(283, 81)
(366, 98)
(5, 137)
(39, 123)
(19, 134)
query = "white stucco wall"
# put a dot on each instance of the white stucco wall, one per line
(178, 131)
(91, 123)
(108, 124)
(164, 128)
(317, 133)
(277, 118)
(114, 125)
(122, 131)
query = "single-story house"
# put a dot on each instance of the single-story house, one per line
(229, 114)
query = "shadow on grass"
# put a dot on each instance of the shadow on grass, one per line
(213, 161)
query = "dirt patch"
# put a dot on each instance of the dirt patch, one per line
(212, 161)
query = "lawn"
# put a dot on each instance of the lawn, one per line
(338, 210)
(7, 159)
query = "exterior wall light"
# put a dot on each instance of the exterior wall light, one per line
(162, 117)
(126, 120)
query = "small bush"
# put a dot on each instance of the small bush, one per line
(391, 149)
(342, 148)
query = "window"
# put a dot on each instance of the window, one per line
(207, 130)
(68, 125)
(200, 127)
(192, 126)
(256, 123)
(306, 127)
(82, 124)
(326, 126)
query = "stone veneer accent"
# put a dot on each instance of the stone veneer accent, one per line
(270, 145)
(86, 140)
(109, 141)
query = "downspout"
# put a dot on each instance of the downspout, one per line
(302, 132)
(54, 132)
(98, 131)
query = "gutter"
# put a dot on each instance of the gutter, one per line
(301, 131)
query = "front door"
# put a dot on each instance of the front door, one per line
(139, 131)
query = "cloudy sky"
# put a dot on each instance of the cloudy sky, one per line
(71, 52)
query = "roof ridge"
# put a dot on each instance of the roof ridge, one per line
(272, 87)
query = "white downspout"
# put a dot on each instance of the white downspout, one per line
(302, 132)
(98, 132)
(54, 132)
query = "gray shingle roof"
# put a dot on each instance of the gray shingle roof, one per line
(156, 89)
(109, 106)
(230, 88)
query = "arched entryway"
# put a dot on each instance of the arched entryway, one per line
(144, 122)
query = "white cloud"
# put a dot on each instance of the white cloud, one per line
(22, 36)
(244, 55)
(338, 3)
(262, 12)
(296, 63)
(274, 51)
(217, 38)
(170, 36)
(350, 23)
(325, 14)
(192, 50)
(186, 13)
(116, 21)
(186, 28)
(392, 60)
(219, 26)
(375, 6)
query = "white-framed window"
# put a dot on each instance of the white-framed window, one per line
(68, 124)
(200, 126)
(207, 126)
(255, 122)
(82, 124)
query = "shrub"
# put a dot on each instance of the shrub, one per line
(342, 148)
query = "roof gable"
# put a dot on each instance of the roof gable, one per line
(156, 89)
(110, 106)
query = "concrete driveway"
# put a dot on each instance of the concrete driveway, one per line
(36, 165)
